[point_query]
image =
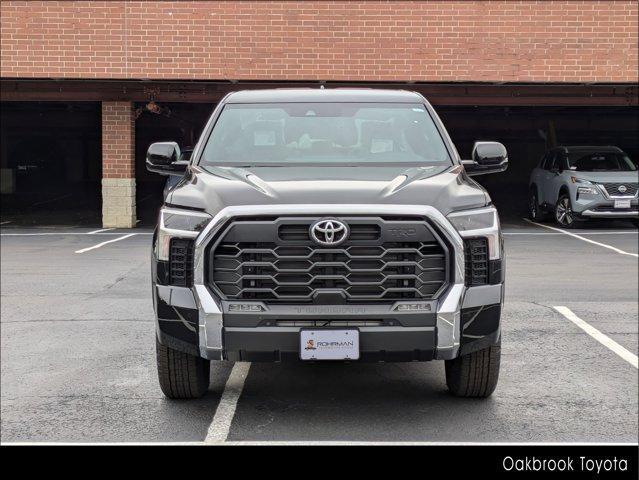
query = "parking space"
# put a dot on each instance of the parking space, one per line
(78, 361)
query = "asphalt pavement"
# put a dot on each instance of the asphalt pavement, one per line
(78, 360)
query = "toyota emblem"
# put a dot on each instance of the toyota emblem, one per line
(329, 232)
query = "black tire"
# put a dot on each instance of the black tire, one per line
(474, 374)
(564, 216)
(534, 210)
(181, 375)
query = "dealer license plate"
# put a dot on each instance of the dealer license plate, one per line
(622, 203)
(329, 344)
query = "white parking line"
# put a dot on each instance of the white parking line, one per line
(100, 231)
(104, 243)
(605, 340)
(610, 247)
(221, 424)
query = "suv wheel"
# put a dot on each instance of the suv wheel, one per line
(534, 210)
(564, 215)
(474, 374)
(181, 375)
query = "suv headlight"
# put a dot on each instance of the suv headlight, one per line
(176, 223)
(588, 190)
(483, 222)
(580, 180)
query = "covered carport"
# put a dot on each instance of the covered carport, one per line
(527, 118)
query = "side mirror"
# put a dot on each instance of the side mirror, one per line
(165, 158)
(488, 157)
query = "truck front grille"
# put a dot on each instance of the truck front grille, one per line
(613, 189)
(292, 269)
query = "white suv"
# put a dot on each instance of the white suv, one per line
(575, 183)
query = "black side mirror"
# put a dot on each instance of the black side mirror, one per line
(165, 158)
(488, 157)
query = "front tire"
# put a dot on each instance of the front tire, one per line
(564, 216)
(181, 375)
(474, 374)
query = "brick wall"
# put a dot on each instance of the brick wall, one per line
(540, 41)
(118, 140)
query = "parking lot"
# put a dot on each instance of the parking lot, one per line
(78, 359)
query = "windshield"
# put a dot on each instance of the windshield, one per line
(600, 162)
(325, 133)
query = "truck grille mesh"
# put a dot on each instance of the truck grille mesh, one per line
(358, 273)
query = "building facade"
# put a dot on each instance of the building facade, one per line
(126, 55)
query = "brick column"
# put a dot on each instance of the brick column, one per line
(118, 165)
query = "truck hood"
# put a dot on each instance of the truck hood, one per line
(602, 177)
(211, 189)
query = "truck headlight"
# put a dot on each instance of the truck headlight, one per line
(176, 223)
(469, 220)
(482, 222)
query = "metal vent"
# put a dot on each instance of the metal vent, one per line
(181, 262)
(476, 261)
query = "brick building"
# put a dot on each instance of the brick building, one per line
(87, 85)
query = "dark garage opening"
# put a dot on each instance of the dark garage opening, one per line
(160, 122)
(51, 165)
(527, 132)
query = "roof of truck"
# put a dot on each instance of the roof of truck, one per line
(318, 95)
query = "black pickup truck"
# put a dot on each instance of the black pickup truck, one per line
(327, 225)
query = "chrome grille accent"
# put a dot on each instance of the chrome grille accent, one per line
(359, 271)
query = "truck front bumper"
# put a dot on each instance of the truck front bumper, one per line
(461, 320)
(202, 324)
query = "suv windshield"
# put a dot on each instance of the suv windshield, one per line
(325, 133)
(600, 162)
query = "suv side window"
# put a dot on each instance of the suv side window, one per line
(561, 161)
(551, 161)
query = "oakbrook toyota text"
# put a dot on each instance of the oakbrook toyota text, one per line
(565, 464)
(327, 225)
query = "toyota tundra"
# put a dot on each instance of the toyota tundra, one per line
(327, 225)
